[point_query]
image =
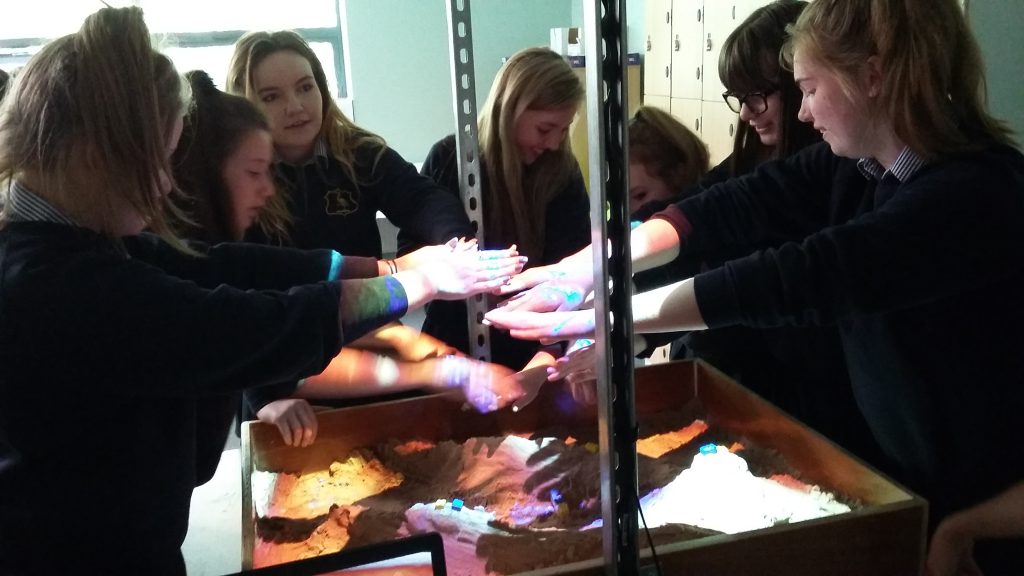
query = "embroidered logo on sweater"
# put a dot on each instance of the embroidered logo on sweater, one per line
(340, 202)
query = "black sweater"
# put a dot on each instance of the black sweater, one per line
(331, 211)
(924, 281)
(102, 360)
(567, 230)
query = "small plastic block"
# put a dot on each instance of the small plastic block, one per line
(708, 449)
(591, 447)
(439, 505)
(556, 496)
(457, 504)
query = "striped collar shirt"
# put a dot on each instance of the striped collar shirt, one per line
(906, 164)
(24, 205)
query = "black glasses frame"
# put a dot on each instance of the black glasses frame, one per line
(756, 102)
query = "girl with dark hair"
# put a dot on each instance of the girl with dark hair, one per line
(224, 163)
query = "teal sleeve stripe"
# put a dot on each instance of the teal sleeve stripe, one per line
(336, 260)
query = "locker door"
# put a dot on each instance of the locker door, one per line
(720, 19)
(687, 111)
(718, 127)
(658, 51)
(687, 57)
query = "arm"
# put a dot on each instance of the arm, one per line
(951, 549)
(424, 212)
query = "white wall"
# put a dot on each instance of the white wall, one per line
(999, 27)
(399, 62)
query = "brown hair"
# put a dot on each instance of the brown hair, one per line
(214, 128)
(669, 150)
(91, 130)
(516, 197)
(933, 91)
(342, 136)
(749, 62)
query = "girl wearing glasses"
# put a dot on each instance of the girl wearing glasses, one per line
(902, 229)
(799, 369)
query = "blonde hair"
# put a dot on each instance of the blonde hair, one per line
(341, 136)
(933, 91)
(516, 198)
(96, 106)
(670, 151)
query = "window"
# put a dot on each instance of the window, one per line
(195, 34)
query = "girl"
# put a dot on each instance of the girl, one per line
(799, 369)
(100, 366)
(224, 160)
(533, 193)
(335, 175)
(664, 158)
(903, 229)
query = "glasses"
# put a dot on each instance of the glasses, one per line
(756, 102)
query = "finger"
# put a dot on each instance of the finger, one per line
(525, 399)
(286, 431)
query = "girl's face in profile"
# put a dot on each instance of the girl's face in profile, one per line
(830, 110)
(288, 95)
(538, 131)
(248, 179)
(644, 187)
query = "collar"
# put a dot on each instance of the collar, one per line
(905, 166)
(25, 205)
(320, 159)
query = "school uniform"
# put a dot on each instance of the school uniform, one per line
(801, 370)
(567, 230)
(920, 267)
(329, 210)
(102, 359)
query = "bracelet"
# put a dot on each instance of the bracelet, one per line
(392, 266)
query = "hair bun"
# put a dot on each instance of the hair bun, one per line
(201, 83)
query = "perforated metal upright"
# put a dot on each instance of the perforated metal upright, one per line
(605, 38)
(460, 42)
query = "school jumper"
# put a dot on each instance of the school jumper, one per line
(922, 276)
(102, 360)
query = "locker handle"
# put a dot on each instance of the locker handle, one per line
(648, 43)
(696, 123)
(732, 129)
(668, 71)
(677, 42)
(699, 14)
(709, 42)
(698, 72)
(668, 17)
(733, 11)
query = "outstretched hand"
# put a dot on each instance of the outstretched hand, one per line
(458, 270)
(547, 327)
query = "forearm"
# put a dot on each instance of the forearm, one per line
(654, 243)
(355, 373)
(999, 517)
(667, 309)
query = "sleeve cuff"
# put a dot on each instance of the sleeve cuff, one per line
(350, 267)
(675, 216)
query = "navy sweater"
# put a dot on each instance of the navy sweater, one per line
(331, 211)
(923, 279)
(102, 360)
